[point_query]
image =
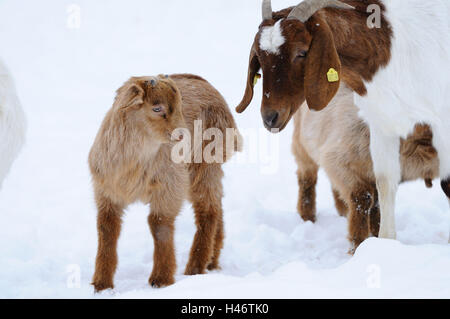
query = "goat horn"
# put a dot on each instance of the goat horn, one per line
(307, 8)
(267, 10)
(153, 81)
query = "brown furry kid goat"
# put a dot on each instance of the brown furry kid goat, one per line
(337, 140)
(131, 161)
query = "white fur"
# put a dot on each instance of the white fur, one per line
(413, 88)
(12, 123)
(272, 39)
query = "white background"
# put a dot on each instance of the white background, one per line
(66, 79)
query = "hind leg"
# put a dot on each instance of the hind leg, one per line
(206, 196)
(218, 243)
(341, 206)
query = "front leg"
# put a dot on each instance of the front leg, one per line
(385, 152)
(166, 200)
(164, 262)
(306, 204)
(109, 221)
(307, 180)
(361, 202)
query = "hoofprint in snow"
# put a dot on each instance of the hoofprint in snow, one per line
(46, 203)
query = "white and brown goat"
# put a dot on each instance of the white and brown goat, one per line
(131, 160)
(397, 69)
(337, 140)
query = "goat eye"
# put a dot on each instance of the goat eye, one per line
(302, 54)
(157, 109)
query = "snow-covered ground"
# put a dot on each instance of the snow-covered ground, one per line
(66, 77)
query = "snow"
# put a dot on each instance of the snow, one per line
(66, 78)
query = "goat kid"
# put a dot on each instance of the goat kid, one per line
(131, 161)
(337, 140)
(12, 123)
(398, 73)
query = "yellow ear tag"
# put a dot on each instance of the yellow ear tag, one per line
(333, 75)
(256, 78)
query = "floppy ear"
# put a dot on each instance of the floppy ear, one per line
(130, 95)
(253, 68)
(321, 83)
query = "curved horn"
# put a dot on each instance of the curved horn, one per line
(307, 8)
(267, 10)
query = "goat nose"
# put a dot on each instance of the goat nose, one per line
(271, 119)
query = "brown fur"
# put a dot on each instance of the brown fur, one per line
(446, 187)
(340, 204)
(332, 38)
(337, 140)
(131, 161)
(307, 194)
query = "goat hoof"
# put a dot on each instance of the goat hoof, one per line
(99, 286)
(160, 282)
(354, 246)
(192, 271)
(309, 218)
(214, 266)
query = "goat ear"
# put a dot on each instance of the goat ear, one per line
(131, 95)
(253, 68)
(321, 82)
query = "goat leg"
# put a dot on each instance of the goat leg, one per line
(202, 248)
(109, 220)
(361, 203)
(164, 262)
(218, 243)
(306, 205)
(341, 206)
